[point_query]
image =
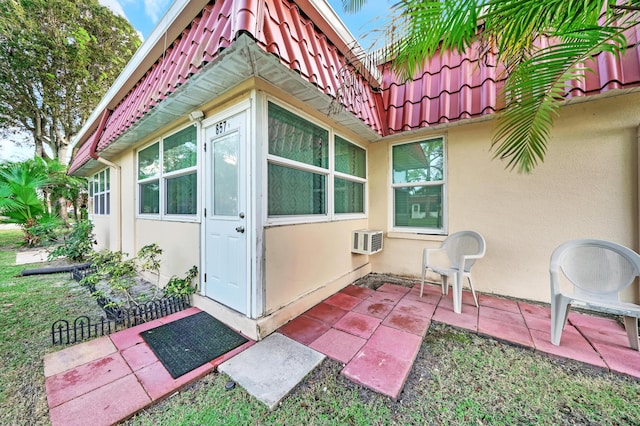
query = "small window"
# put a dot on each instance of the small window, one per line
(418, 183)
(100, 192)
(350, 177)
(167, 175)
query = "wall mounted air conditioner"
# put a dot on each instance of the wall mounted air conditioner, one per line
(366, 241)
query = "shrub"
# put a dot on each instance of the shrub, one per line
(77, 244)
(181, 286)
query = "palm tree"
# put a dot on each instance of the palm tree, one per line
(537, 73)
(20, 199)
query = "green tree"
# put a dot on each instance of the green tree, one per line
(537, 74)
(58, 58)
(21, 199)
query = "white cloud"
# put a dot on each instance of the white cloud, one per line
(155, 9)
(115, 7)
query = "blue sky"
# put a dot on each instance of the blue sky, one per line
(145, 14)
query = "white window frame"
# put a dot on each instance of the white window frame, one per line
(329, 173)
(163, 176)
(94, 190)
(443, 182)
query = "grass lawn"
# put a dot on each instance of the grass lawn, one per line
(458, 377)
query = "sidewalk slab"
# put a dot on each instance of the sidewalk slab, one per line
(271, 368)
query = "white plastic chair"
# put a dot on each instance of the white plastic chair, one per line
(599, 271)
(462, 249)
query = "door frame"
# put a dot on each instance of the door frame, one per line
(254, 255)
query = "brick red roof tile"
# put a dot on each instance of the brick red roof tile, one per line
(450, 87)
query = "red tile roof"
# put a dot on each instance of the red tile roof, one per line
(450, 87)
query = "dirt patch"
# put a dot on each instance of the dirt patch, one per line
(375, 280)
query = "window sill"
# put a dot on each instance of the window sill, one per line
(415, 236)
(169, 219)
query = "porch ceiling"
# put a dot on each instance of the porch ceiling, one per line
(242, 60)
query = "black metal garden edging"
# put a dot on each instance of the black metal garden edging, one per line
(117, 317)
(82, 328)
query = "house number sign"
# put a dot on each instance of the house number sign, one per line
(221, 127)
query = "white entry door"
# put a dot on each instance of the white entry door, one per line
(226, 208)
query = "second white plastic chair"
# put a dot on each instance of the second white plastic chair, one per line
(462, 249)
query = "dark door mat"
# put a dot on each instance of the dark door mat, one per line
(190, 342)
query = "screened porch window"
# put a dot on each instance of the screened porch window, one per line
(418, 185)
(167, 176)
(301, 175)
(298, 165)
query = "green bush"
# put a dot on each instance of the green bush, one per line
(77, 244)
(181, 286)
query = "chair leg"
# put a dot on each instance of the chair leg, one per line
(424, 271)
(445, 284)
(457, 293)
(473, 292)
(631, 325)
(559, 314)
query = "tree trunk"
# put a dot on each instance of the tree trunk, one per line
(62, 210)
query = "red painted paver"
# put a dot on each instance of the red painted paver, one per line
(130, 337)
(534, 310)
(106, 405)
(374, 308)
(158, 383)
(468, 319)
(505, 330)
(70, 384)
(407, 322)
(338, 345)
(393, 288)
(414, 307)
(179, 315)
(430, 295)
(326, 313)
(384, 297)
(572, 346)
(139, 356)
(498, 303)
(379, 371)
(344, 301)
(402, 344)
(304, 329)
(356, 291)
(358, 324)
(619, 359)
(506, 317)
(535, 322)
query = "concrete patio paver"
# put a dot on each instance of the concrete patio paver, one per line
(272, 367)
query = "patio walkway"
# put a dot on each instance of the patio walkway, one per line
(376, 334)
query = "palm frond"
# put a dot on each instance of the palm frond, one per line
(535, 91)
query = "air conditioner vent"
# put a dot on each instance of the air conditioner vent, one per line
(366, 241)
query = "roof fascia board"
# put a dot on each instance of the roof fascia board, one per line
(180, 13)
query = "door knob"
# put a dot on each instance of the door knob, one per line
(240, 229)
